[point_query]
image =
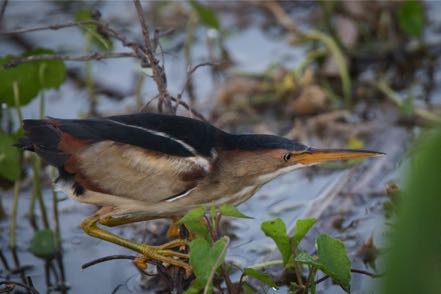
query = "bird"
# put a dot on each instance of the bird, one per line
(146, 166)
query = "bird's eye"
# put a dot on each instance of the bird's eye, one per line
(286, 157)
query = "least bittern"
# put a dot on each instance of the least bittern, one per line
(146, 166)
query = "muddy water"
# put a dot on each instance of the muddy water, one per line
(288, 197)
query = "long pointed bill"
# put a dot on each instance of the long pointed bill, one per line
(316, 156)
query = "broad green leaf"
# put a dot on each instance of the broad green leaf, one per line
(260, 276)
(229, 210)
(203, 257)
(206, 14)
(411, 17)
(90, 30)
(193, 221)
(192, 215)
(31, 77)
(302, 228)
(50, 73)
(276, 230)
(43, 244)
(9, 158)
(26, 77)
(334, 260)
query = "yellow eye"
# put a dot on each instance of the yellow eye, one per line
(287, 157)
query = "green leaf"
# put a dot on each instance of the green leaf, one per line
(31, 77)
(9, 158)
(276, 230)
(203, 258)
(195, 214)
(25, 76)
(207, 15)
(411, 17)
(91, 31)
(50, 73)
(334, 260)
(302, 228)
(260, 276)
(307, 259)
(43, 244)
(193, 221)
(229, 210)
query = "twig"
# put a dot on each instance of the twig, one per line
(3, 9)
(353, 270)
(188, 80)
(67, 57)
(363, 272)
(4, 260)
(50, 27)
(149, 54)
(321, 280)
(106, 258)
(116, 288)
(9, 283)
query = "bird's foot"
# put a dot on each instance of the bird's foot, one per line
(164, 254)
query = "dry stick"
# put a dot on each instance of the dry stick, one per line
(188, 80)
(158, 72)
(353, 270)
(106, 258)
(50, 27)
(8, 283)
(4, 261)
(67, 57)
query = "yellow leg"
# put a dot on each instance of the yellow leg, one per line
(160, 253)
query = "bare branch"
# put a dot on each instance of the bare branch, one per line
(106, 258)
(93, 56)
(189, 108)
(187, 81)
(10, 286)
(149, 54)
(51, 27)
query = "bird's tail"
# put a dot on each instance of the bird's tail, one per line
(42, 137)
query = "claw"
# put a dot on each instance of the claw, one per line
(140, 262)
(163, 254)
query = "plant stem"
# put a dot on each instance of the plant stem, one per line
(89, 79)
(13, 224)
(58, 243)
(36, 189)
(266, 264)
(2, 209)
(43, 83)
(17, 100)
(138, 90)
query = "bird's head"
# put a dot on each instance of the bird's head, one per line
(266, 157)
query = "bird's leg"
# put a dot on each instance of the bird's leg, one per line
(173, 230)
(162, 253)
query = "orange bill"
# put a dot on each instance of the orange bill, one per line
(315, 156)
